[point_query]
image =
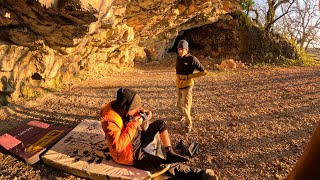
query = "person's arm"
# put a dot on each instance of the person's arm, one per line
(202, 72)
(120, 140)
(198, 74)
(146, 116)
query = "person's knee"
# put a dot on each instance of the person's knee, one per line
(162, 125)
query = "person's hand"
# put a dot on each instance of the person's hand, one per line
(137, 120)
(148, 112)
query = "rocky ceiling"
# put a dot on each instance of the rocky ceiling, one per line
(53, 39)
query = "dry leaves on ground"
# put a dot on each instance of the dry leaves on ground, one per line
(250, 124)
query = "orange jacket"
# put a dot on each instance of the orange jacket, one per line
(118, 137)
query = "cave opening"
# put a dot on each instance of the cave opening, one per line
(174, 48)
(186, 36)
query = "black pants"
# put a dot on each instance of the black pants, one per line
(148, 162)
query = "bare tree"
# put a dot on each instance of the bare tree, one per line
(302, 24)
(271, 16)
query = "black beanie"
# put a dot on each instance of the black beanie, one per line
(127, 99)
(183, 44)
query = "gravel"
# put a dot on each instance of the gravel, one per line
(250, 123)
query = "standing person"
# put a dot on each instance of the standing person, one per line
(121, 120)
(185, 65)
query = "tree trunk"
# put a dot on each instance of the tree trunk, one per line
(270, 15)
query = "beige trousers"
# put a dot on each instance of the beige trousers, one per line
(184, 103)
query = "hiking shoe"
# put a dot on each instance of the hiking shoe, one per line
(209, 175)
(172, 157)
(181, 145)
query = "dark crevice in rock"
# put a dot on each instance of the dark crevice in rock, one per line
(36, 76)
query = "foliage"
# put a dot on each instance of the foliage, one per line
(246, 19)
(288, 62)
(273, 49)
(246, 5)
(303, 59)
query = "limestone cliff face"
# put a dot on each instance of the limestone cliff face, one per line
(43, 42)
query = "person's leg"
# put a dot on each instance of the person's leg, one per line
(171, 156)
(144, 160)
(186, 105)
(176, 171)
(182, 171)
(148, 136)
(179, 103)
(165, 140)
(148, 162)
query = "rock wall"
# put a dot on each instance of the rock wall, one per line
(45, 42)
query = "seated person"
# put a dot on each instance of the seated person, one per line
(122, 122)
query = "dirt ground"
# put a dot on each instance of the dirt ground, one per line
(251, 123)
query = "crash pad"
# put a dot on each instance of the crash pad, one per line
(30, 140)
(83, 152)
